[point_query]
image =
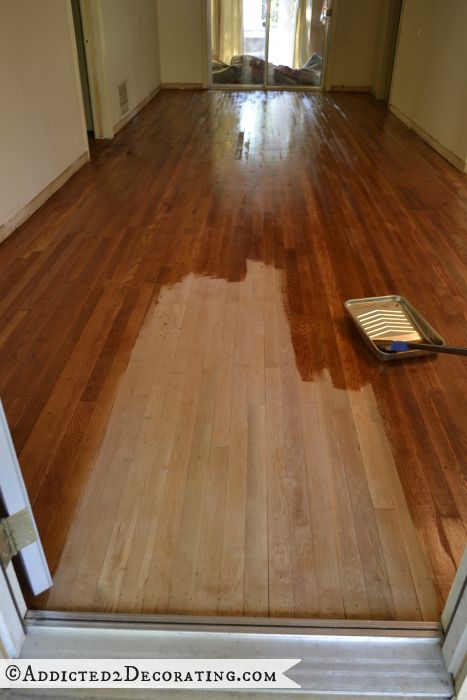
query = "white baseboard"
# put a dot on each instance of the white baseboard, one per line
(129, 116)
(28, 210)
(455, 160)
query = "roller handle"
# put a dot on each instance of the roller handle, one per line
(402, 346)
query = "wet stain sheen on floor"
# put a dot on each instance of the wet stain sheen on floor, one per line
(331, 193)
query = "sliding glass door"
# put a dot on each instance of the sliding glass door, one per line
(238, 41)
(268, 42)
(297, 31)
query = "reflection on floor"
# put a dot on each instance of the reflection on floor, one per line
(227, 229)
(226, 485)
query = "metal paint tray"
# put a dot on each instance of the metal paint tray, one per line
(388, 318)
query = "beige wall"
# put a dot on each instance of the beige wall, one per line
(183, 42)
(353, 43)
(42, 130)
(182, 35)
(430, 77)
(43, 136)
(130, 36)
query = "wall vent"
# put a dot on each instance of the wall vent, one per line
(123, 97)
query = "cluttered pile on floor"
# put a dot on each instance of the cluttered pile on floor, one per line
(249, 70)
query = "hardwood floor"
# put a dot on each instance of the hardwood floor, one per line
(200, 428)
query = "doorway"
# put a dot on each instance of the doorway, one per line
(266, 43)
(83, 68)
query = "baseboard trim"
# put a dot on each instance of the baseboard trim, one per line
(183, 86)
(455, 160)
(31, 207)
(132, 113)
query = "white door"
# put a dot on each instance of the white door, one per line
(14, 498)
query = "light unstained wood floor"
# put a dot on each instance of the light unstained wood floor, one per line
(226, 484)
(200, 427)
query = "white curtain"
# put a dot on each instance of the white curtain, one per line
(226, 29)
(302, 46)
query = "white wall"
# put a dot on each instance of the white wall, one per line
(353, 44)
(130, 35)
(42, 130)
(183, 45)
(430, 77)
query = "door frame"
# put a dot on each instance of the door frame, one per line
(94, 46)
(327, 56)
(14, 498)
(12, 612)
(454, 622)
(83, 64)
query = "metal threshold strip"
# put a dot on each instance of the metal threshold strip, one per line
(350, 659)
(243, 625)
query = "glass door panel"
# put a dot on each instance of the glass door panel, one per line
(238, 42)
(289, 34)
(297, 37)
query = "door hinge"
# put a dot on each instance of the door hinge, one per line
(16, 532)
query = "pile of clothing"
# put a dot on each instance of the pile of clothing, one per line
(249, 70)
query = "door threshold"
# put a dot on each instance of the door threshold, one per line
(241, 625)
(352, 659)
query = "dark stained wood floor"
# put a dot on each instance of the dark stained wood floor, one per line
(332, 193)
